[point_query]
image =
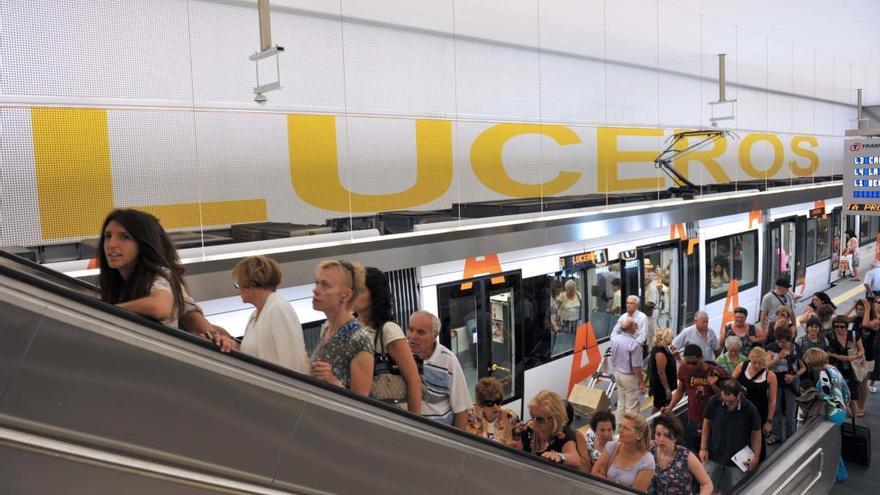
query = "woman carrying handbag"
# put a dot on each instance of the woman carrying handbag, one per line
(395, 375)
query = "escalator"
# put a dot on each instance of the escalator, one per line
(94, 399)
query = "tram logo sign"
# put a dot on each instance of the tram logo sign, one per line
(855, 147)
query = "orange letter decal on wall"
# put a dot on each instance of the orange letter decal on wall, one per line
(584, 345)
(481, 265)
(731, 303)
(314, 167)
(755, 217)
(488, 163)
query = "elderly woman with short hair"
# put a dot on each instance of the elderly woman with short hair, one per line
(486, 418)
(546, 434)
(731, 359)
(273, 331)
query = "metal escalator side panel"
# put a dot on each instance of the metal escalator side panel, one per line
(90, 386)
(806, 463)
(19, 326)
(98, 379)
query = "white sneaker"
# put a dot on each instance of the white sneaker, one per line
(873, 389)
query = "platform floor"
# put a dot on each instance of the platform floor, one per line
(861, 480)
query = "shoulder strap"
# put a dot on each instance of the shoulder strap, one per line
(379, 340)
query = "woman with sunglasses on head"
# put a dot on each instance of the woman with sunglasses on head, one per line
(344, 353)
(375, 310)
(844, 347)
(676, 466)
(273, 331)
(487, 418)
(628, 461)
(546, 434)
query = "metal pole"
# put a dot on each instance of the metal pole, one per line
(859, 103)
(265, 28)
(721, 78)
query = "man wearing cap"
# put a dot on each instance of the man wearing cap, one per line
(779, 296)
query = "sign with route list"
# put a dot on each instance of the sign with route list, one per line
(861, 176)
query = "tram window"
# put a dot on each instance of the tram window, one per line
(868, 227)
(823, 239)
(731, 257)
(569, 306)
(553, 316)
(605, 298)
(810, 246)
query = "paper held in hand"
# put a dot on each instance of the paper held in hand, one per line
(743, 456)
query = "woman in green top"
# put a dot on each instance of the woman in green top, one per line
(730, 359)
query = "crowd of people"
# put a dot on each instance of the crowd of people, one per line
(740, 398)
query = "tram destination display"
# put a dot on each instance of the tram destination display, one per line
(861, 176)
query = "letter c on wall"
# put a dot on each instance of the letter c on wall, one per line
(488, 163)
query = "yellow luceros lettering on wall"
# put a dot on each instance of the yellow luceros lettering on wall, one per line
(75, 186)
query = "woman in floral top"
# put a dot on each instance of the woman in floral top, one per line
(675, 466)
(487, 418)
(344, 354)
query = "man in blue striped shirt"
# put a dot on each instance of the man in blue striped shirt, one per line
(627, 360)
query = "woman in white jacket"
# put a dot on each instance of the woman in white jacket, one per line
(273, 331)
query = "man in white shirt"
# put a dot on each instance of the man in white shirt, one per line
(446, 398)
(632, 311)
(700, 335)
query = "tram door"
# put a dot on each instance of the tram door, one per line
(836, 242)
(661, 277)
(782, 251)
(480, 325)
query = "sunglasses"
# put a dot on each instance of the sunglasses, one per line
(541, 419)
(839, 326)
(491, 403)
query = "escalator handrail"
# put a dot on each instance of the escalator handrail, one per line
(97, 304)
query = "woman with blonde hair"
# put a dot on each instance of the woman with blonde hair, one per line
(760, 387)
(628, 461)
(344, 354)
(546, 434)
(661, 369)
(273, 331)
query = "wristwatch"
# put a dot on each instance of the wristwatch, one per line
(560, 458)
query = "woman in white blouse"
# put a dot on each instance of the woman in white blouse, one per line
(273, 332)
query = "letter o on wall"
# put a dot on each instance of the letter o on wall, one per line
(745, 155)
